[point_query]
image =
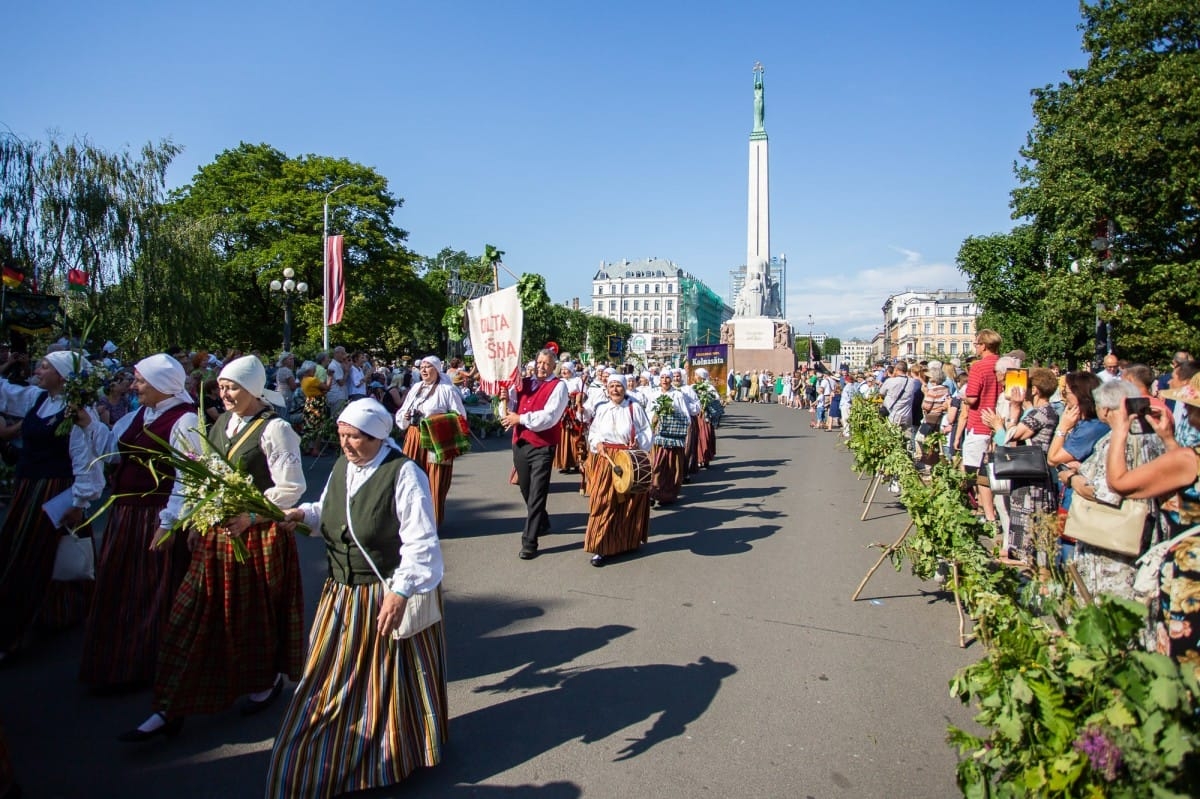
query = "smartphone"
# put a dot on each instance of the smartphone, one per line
(1016, 378)
(1137, 406)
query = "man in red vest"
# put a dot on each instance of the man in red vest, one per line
(538, 403)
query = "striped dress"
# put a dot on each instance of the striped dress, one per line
(370, 708)
(426, 399)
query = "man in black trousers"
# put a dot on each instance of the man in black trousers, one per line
(538, 404)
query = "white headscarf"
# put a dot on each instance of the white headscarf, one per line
(63, 361)
(369, 416)
(701, 374)
(164, 374)
(248, 372)
(436, 363)
(613, 377)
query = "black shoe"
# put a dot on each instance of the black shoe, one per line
(597, 560)
(251, 706)
(168, 730)
(527, 554)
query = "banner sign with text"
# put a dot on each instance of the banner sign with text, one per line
(714, 358)
(495, 322)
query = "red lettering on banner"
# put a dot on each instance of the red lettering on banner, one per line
(494, 323)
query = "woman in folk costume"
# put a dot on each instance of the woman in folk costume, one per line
(669, 418)
(370, 707)
(435, 394)
(237, 628)
(710, 411)
(573, 438)
(691, 459)
(49, 465)
(140, 565)
(616, 523)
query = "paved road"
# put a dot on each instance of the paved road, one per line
(725, 659)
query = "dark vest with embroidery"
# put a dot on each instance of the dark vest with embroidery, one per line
(133, 482)
(529, 399)
(373, 510)
(44, 453)
(245, 449)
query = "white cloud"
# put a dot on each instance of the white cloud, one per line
(850, 305)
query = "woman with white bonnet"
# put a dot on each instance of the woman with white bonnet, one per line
(237, 628)
(136, 576)
(706, 431)
(573, 436)
(616, 523)
(49, 465)
(435, 394)
(376, 517)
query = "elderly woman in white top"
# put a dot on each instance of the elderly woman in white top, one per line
(433, 396)
(572, 440)
(49, 466)
(376, 517)
(617, 523)
(140, 566)
(237, 625)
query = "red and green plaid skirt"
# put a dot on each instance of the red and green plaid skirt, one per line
(233, 626)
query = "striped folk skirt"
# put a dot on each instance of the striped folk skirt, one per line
(666, 473)
(706, 441)
(28, 544)
(691, 448)
(135, 587)
(233, 626)
(439, 474)
(369, 709)
(616, 522)
(570, 440)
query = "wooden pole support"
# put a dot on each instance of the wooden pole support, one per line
(889, 550)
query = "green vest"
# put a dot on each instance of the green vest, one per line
(245, 449)
(373, 509)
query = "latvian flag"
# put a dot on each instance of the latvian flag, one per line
(335, 280)
(77, 280)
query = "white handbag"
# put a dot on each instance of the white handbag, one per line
(421, 611)
(75, 559)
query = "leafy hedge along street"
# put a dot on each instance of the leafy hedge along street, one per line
(1072, 704)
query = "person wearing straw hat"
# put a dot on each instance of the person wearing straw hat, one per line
(432, 396)
(616, 523)
(376, 517)
(49, 465)
(236, 628)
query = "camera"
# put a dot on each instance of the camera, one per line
(1137, 406)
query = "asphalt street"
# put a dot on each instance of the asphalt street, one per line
(723, 659)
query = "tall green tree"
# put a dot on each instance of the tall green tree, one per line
(1110, 181)
(831, 346)
(266, 212)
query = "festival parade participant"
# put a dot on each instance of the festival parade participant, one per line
(376, 517)
(617, 522)
(669, 417)
(539, 404)
(572, 440)
(236, 627)
(136, 577)
(432, 396)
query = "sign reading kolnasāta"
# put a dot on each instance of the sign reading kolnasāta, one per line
(714, 358)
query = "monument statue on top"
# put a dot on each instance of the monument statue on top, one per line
(759, 296)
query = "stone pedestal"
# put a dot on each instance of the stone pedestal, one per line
(758, 343)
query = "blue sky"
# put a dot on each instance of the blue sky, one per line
(570, 133)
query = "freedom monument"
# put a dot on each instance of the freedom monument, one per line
(758, 335)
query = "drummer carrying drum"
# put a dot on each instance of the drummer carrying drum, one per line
(618, 505)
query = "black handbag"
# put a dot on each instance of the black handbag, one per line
(1020, 463)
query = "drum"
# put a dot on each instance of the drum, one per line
(630, 471)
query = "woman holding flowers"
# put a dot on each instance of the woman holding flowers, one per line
(670, 418)
(433, 395)
(371, 707)
(140, 565)
(236, 622)
(57, 456)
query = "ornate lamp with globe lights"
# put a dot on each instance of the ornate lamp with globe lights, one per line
(290, 290)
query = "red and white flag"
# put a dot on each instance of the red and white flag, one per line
(335, 280)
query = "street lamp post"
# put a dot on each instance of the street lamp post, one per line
(812, 346)
(290, 290)
(325, 269)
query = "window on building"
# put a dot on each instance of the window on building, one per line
(658, 288)
(670, 288)
(599, 306)
(657, 323)
(646, 289)
(670, 305)
(636, 304)
(954, 328)
(656, 304)
(928, 348)
(612, 305)
(966, 328)
(941, 310)
(624, 305)
(635, 288)
(941, 328)
(941, 347)
(954, 347)
(599, 289)
(928, 328)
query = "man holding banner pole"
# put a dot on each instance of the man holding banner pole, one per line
(539, 403)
